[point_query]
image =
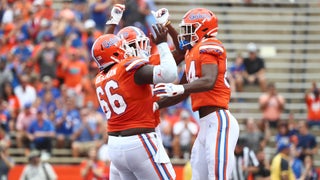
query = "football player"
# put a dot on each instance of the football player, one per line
(205, 81)
(140, 43)
(124, 94)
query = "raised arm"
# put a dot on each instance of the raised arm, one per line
(115, 17)
(167, 70)
(162, 17)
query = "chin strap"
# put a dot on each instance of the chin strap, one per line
(182, 45)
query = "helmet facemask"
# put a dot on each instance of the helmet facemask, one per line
(188, 36)
(140, 47)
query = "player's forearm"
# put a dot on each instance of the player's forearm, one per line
(174, 34)
(110, 28)
(178, 56)
(98, 172)
(199, 85)
(170, 101)
(253, 169)
(167, 71)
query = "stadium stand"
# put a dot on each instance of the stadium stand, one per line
(291, 28)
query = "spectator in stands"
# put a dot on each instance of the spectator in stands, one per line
(166, 132)
(253, 136)
(5, 73)
(245, 162)
(46, 57)
(4, 136)
(36, 169)
(8, 12)
(25, 92)
(45, 30)
(47, 85)
(284, 132)
(91, 34)
(312, 100)
(6, 162)
(280, 166)
(24, 120)
(184, 135)
(135, 14)
(272, 105)
(237, 71)
(13, 102)
(67, 115)
(99, 12)
(255, 68)
(92, 167)
(48, 105)
(5, 116)
(310, 172)
(264, 167)
(75, 71)
(296, 163)
(22, 51)
(41, 132)
(84, 134)
(306, 141)
(187, 171)
(103, 150)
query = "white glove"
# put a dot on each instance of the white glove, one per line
(155, 106)
(162, 16)
(116, 14)
(168, 90)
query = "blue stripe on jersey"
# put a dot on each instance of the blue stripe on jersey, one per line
(219, 147)
(155, 148)
(225, 142)
(146, 141)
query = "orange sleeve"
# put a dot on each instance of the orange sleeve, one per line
(135, 63)
(208, 59)
(84, 69)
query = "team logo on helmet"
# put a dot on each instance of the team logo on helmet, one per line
(112, 41)
(199, 16)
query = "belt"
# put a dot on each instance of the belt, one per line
(205, 110)
(131, 132)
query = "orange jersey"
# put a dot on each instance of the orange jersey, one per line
(208, 51)
(126, 104)
(313, 107)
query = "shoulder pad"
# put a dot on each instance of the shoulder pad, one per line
(211, 47)
(135, 63)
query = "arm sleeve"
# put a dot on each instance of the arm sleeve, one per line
(313, 142)
(208, 59)
(167, 71)
(253, 159)
(52, 175)
(284, 166)
(262, 63)
(23, 175)
(210, 52)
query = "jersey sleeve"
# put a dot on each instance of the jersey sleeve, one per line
(284, 165)
(135, 63)
(210, 52)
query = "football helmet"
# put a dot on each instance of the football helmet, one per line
(108, 49)
(137, 40)
(196, 24)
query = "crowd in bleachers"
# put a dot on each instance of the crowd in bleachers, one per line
(47, 95)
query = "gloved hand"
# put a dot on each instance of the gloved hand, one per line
(168, 89)
(116, 14)
(155, 106)
(161, 16)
